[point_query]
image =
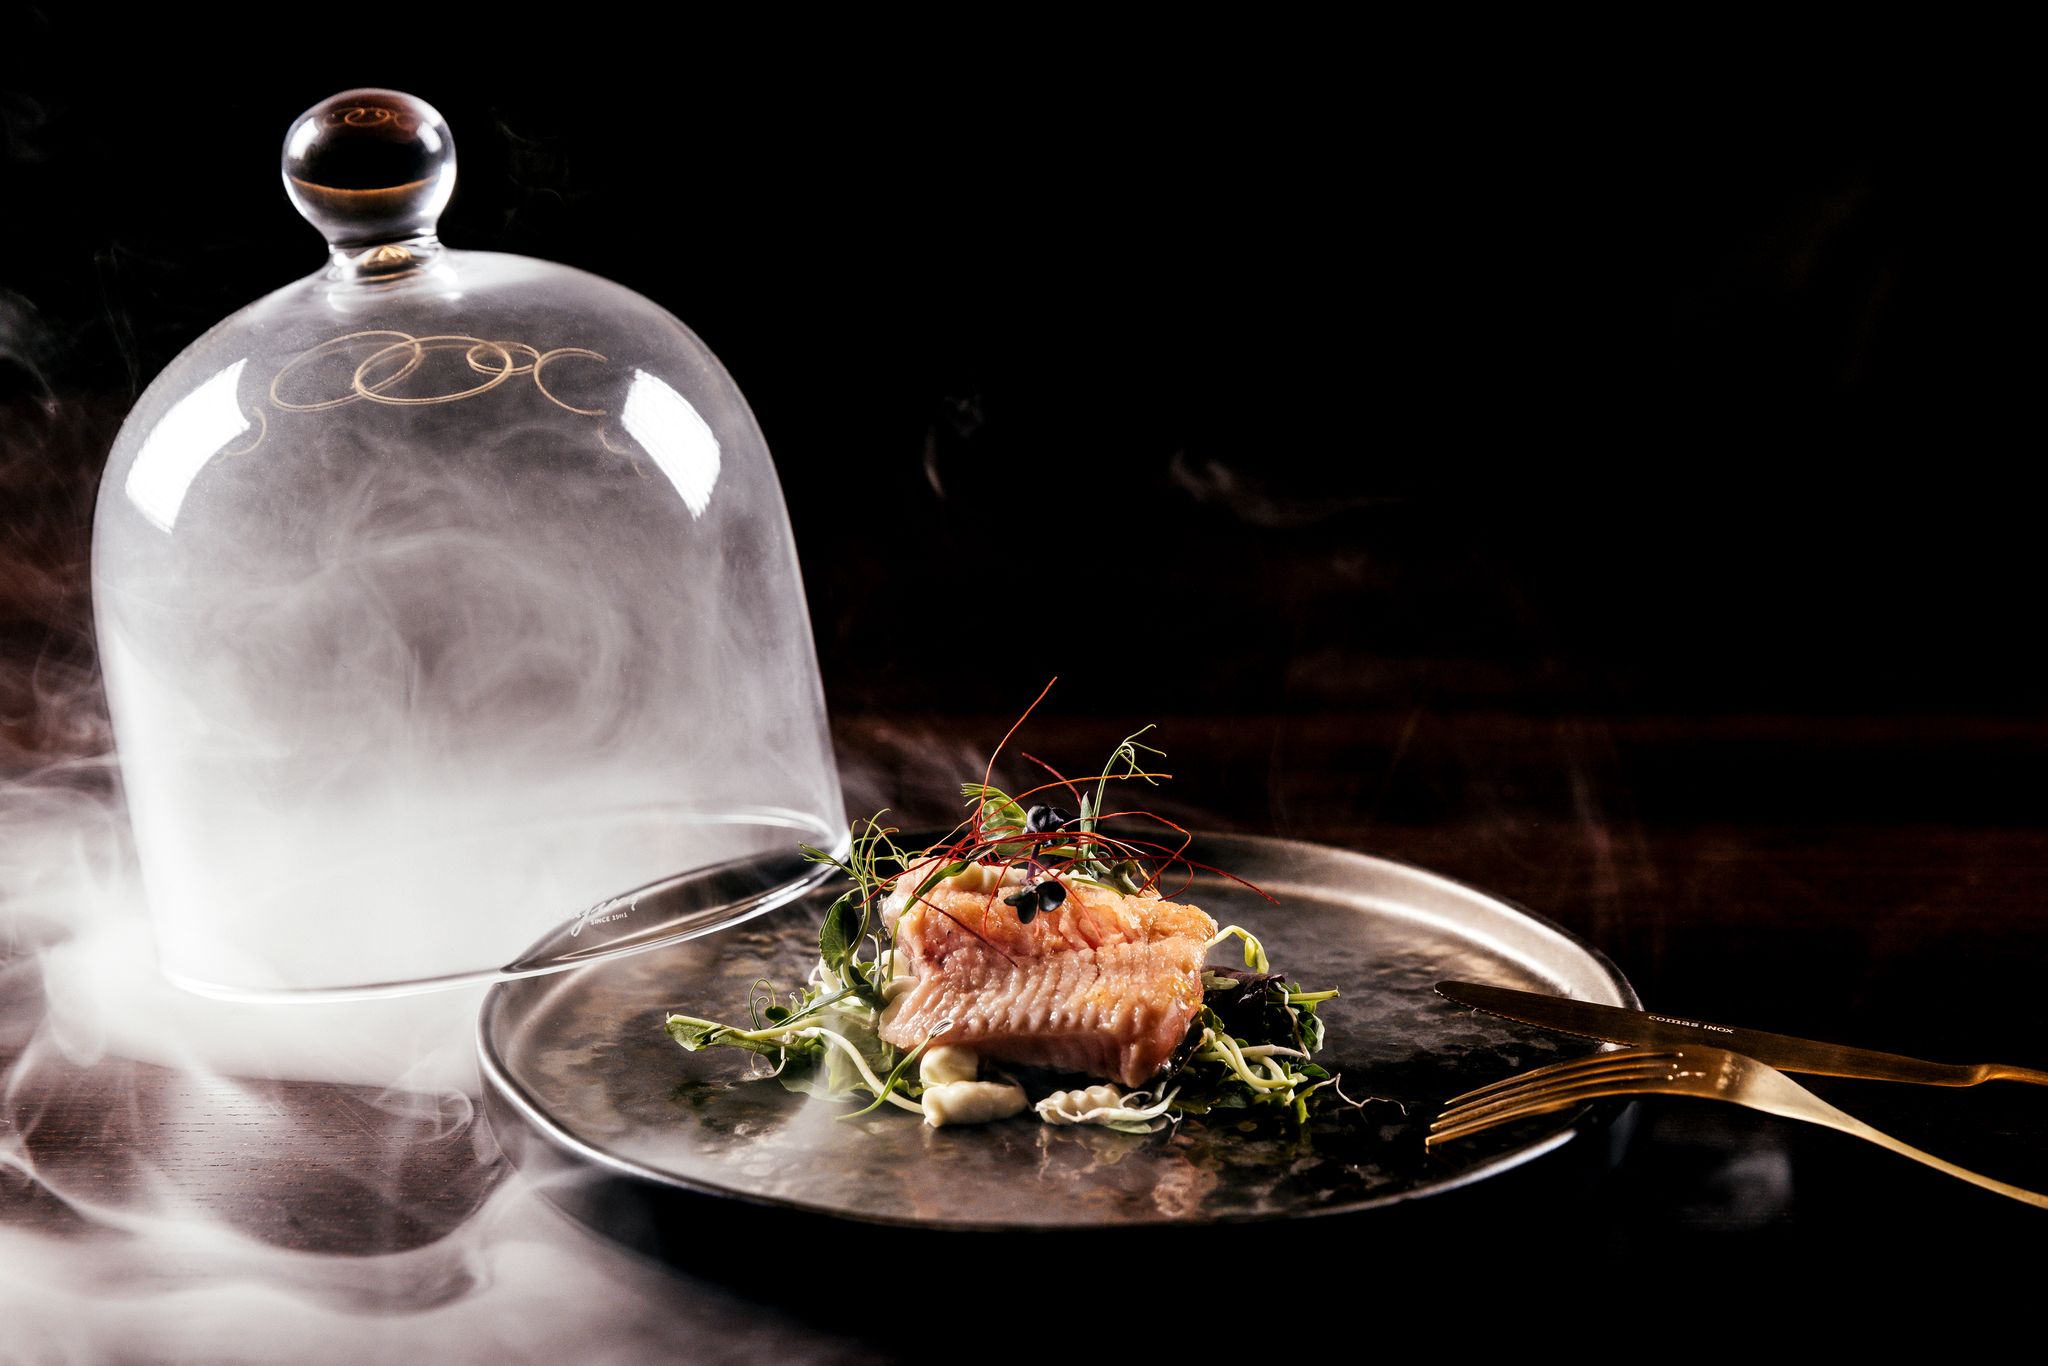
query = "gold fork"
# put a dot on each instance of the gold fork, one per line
(1693, 1070)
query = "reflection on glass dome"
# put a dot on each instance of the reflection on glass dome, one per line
(198, 427)
(669, 430)
(442, 596)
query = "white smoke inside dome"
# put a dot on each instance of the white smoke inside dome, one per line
(417, 643)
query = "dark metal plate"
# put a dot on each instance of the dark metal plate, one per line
(581, 1078)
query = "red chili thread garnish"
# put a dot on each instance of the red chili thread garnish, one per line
(1015, 726)
(971, 841)
(1072, 791)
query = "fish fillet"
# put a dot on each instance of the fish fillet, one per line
(1105, 984)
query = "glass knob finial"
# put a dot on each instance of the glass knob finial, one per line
(370, 167)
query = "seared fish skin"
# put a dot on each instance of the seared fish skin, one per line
(1104, 983)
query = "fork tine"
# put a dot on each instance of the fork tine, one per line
(1536, 1098)
(1450, 1128)
(1632, 1071)
(1549, 1088)
(1591, 1064)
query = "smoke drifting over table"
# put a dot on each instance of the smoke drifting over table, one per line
(187, 1179)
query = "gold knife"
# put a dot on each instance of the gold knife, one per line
(1615, 1025)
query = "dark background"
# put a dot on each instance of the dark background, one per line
(1358, 393)
(1295, 377)
(1609, 483)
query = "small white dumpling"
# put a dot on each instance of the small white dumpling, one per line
(944, 1063)
(971, 1102)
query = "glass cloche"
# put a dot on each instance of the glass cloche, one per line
(445, 598)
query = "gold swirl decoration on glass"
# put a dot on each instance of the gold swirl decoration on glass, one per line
(378, 360)
(369, 116)
(543, 359)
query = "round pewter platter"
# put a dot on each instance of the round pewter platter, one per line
(588, 1095)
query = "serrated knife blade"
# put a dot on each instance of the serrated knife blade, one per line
(1593, 1021)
